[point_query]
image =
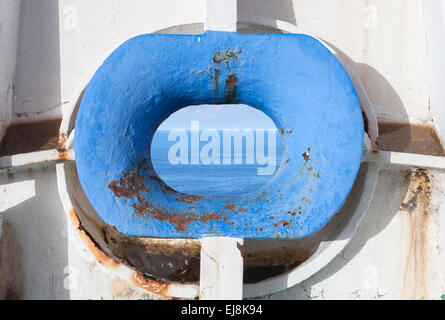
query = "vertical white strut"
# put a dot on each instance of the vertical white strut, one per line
(221, 269)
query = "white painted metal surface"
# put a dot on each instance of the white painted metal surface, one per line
(221, 269)
(435, 27)
(35, 158)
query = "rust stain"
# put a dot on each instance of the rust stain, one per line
(103, 258)
(231, 81)
(182, 220)
(129, 186)
(162, 260)
(166, 189)
(377, 142)
(31, 137)
(284, 132)
(189, 199)
(304, 199)
(284, 223)
(230, 207)
(177, 218)
(416, 206)
(283, 166)
(365, 122)
(409, 138)
(219, 57)
(145, 282)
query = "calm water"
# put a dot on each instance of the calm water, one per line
(211, 179)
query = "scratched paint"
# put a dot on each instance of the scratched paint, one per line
(418, 209)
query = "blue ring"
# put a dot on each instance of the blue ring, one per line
(292, 78)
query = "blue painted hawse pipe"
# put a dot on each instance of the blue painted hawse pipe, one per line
(293, 78)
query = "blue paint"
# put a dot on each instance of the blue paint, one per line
(292, 78)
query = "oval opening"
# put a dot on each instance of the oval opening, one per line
(217, 150)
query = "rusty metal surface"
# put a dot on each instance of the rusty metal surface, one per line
(418, 208)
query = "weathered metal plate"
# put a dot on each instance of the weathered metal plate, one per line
(292, 78)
